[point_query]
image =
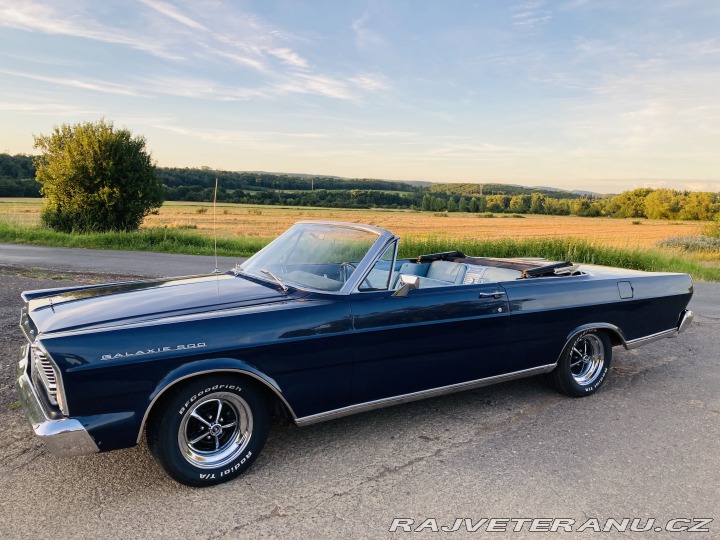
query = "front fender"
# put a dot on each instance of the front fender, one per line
(206, 367)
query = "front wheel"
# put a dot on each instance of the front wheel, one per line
(209, 431)
(583, 364)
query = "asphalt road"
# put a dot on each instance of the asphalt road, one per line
(645, 446)
(127, 263)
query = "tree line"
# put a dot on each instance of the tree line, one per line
(17, 179)
(638, 203)
(17, 176)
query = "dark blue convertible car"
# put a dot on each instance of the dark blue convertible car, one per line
(324, 322)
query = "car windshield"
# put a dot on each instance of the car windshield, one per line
(316, 255)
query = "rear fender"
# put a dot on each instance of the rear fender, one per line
(617, 337)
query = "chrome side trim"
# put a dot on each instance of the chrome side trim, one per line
(635, 343)
(422, 394)
(63, 437)
(684, 322)
(240, 371)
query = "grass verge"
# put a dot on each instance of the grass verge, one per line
(165, 240)
(161, 240)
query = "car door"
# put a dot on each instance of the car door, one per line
(428, 339)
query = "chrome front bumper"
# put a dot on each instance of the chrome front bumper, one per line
(64, 436)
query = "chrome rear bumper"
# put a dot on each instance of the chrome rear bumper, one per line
(685, 321)
(63, 436)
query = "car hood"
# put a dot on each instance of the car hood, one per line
(78, 308)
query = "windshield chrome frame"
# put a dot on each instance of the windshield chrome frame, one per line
(384, 237)
(396, 241)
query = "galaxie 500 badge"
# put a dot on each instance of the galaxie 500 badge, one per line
(157, 350)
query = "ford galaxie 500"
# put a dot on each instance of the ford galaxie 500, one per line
(324, 322)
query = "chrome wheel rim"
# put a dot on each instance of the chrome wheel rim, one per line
(587, 358)
(215, 430)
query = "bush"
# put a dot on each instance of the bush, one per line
(95, 178)
(712, 229)
(693, 243)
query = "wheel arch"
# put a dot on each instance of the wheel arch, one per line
(616, 335)
(214, 366)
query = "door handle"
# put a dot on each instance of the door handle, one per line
(495, 294)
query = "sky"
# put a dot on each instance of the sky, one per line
(600, 95)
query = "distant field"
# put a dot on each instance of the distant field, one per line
(243, 229)
(234, 220)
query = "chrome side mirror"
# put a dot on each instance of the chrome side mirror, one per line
(407, 282)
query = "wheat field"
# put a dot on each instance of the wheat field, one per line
(235, 220)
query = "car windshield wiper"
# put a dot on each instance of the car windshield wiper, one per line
(279, 281)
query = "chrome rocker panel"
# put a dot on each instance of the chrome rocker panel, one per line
(414, 396)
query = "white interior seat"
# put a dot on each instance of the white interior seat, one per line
(450, 272)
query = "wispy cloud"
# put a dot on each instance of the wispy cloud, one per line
(289, 57)
(370, 81)
(530, 14)
(46, 109)
(36, 17)
(261, 47)
(195, 88)
(366, 37)
(81, 83)
(702, 186)
(474, 151)
(306, 83)
(170, 11)
(247, 138)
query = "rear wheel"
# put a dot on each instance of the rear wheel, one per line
(210, 430)
(583, 364)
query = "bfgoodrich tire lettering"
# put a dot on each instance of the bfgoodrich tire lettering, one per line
(210, 430)
(584, 364)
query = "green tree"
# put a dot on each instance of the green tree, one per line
(473, 206)
(537, 203)
(451, 206)
(663, 204)
(520, 204)
(629, 203)
(584, 208)
(557, 207)
(497, 203)
(439, 204)
(701, 205)
(462, 205)
(96, 178)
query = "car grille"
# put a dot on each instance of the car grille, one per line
(43, 371)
